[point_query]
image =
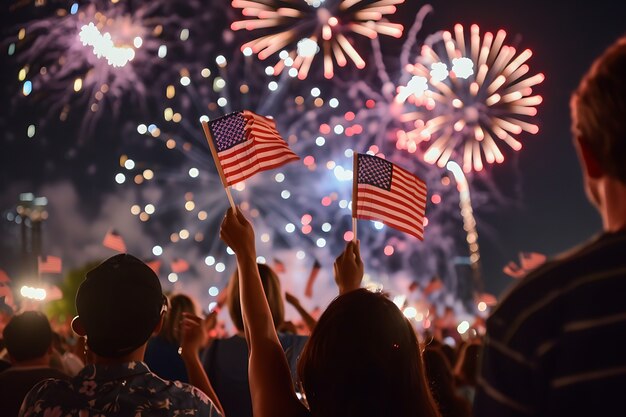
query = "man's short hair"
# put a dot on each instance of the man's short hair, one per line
(119, 304)
(28, 336)
(599, 110)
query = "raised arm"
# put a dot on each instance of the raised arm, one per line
(271, 387)
(295, 302)
(349, 268)
(193, 337)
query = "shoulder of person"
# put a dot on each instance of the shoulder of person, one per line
(189, 394)
(556, 274)
(48, 389)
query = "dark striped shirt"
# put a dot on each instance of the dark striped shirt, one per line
(556, 345)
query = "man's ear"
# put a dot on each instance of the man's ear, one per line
(78, 328)
(590, 164)
(159, 325)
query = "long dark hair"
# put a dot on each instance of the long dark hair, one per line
(179, 304)
(363, 359)
(273, 293)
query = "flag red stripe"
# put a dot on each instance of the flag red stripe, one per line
(257, 154)
(399, 188)
(246, 149)
(385, 214)
(239, 149)
(261, 125)
(400, 226)
(413, 207)
(417, 199)
(388, 210)
(269, 163)
(410, 178)
(235, 150)
(251, 115)
(409, 189)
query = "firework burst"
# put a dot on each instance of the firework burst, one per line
(85, 64)
(467, 97)
(179, 195)
(312, 27)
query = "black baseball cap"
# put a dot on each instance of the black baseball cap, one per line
(119, 305)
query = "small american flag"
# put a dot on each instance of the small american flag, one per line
(247, 143)
(113, 240)
(387, 193)
(49, 264)
(179, 265)
(155, 265)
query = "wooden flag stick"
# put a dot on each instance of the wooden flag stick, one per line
(218, 165)
(355, 157)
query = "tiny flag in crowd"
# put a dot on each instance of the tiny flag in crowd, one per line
(488, 299)
(155, 265)
(528, 261)
(113, 240)
(308, 291)
(531, 260)
(179, 265)
(279, 266)
(434, 285)
(514, 270)
(49, 264)
(385, 192)
(6, 293)
(246, 143)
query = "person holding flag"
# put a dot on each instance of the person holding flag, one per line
(362, 359)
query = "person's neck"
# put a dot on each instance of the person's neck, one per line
(614, 208)
(42, 361)
(135, 356)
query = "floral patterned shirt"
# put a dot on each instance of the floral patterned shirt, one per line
(128, 389)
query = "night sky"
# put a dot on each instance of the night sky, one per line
(551, 213)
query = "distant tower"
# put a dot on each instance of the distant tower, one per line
(31, 213)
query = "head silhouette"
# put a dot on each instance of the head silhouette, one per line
(363, 359)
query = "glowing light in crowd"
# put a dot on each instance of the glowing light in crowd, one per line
(463, 327)
(410, 312)
(33, 293)
(467, 96)
(92, 61)
(312, 28)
